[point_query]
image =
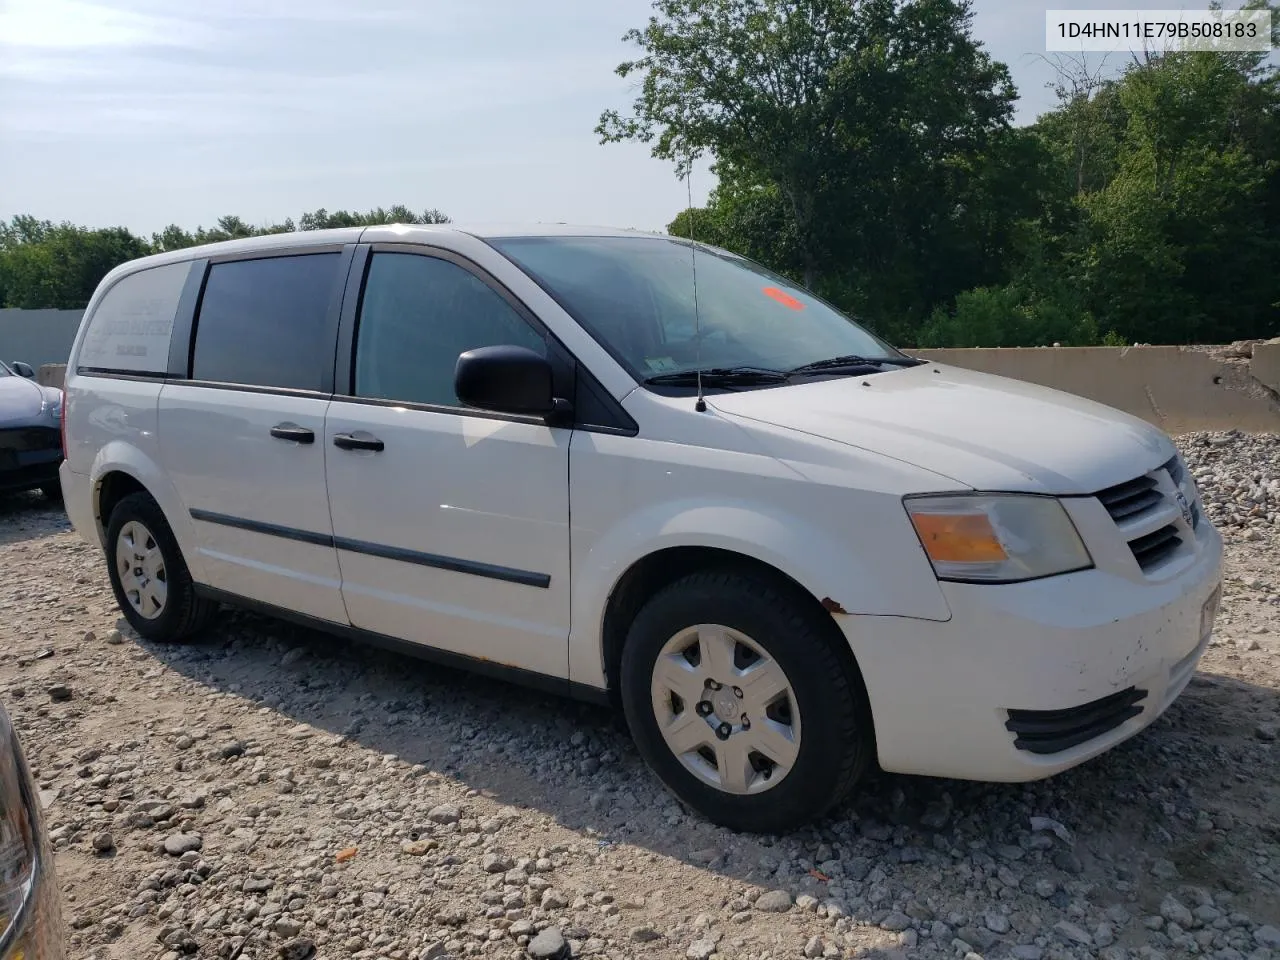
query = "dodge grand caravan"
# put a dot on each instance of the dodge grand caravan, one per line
(785, 548)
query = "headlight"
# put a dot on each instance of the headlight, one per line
(30, 913)
(997, 538)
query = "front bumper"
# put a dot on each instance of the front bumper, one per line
(29, 457)
(1030, 679)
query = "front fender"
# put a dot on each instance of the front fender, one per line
(855, 547)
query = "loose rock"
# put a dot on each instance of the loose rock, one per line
(548, 945)
(775, 901)
(179, 843)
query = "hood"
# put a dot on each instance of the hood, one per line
(21, 401)
(983, 431)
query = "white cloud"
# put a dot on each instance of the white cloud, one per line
(83, 25)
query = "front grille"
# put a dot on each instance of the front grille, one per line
(1153, 547)
(1052, 731)
(1141, 499)
(25, 477)
(1131, 499)
(30, 439)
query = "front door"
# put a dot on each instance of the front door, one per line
(451, 524)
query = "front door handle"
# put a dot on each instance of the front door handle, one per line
(359, 440)
(291, 431)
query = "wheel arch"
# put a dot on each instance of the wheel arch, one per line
(661, 568)
(121, 469)
(110, 489)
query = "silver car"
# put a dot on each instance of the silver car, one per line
(30, 433)
(31, 926)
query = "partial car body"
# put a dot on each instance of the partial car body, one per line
(30, 433)
(31, 926)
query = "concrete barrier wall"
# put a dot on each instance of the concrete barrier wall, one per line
(37, 337)
(1265, 365)
(1179, 389)
(51, 374)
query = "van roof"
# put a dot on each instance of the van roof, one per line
(384, 232)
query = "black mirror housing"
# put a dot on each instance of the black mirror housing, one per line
(23, 369)
(505, 379)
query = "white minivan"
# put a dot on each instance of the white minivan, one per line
(626, 468)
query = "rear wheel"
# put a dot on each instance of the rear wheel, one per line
(740, 698)
(149, 575)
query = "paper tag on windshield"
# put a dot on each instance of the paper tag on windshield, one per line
(661, 364)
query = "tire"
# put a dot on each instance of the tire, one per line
(139, 518)
(52, 491)
(823, 715)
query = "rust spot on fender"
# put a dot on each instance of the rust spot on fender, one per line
(832, 607)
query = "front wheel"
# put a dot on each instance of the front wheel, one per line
(739, 696)
(149, 575)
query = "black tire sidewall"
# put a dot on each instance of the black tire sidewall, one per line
(169, 626)
(801, 647)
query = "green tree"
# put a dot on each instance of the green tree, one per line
(864, 135)
(43, 264)
(1176, 172)
(1012, 316)
(322, 219)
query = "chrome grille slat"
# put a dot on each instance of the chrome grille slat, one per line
(1151, 548)
(1130, 499)
(1146, 514)
(1165, 512)
(1133, 505)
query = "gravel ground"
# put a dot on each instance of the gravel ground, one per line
(268, 793)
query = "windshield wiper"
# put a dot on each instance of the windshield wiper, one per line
(719, 376)
(854, 360)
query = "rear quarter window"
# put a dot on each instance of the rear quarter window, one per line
(130, 328)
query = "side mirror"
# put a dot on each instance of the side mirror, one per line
(506, 379)
(23, 369)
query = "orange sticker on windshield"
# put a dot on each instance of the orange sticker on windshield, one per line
(784, 298)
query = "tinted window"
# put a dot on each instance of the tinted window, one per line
(262, 322)
(131, 325)
(636, 296)
(418, 314)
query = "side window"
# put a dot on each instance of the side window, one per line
(418, 314)
(262, 322)
(131, 325)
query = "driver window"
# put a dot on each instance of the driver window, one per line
(418, 313)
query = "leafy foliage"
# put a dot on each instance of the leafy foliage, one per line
(43, 264)
(864, 147)
(846, 116)
(48, 265)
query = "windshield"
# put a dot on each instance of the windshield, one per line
(4, 371)
(636, 296)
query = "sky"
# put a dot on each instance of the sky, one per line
(142, 113)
